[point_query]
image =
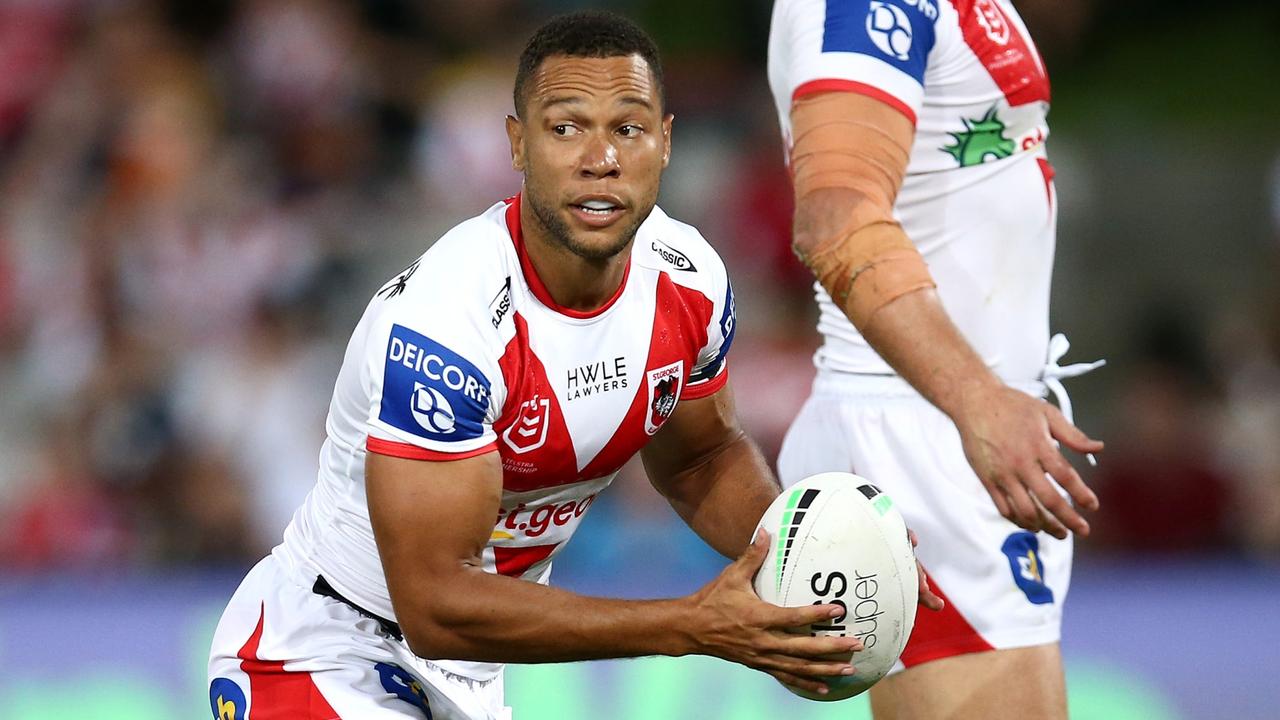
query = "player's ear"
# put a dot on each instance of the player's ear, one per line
(666, 138)
(515, 134)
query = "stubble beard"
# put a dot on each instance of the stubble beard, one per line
(562, 235)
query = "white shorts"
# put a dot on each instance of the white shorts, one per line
(282, 652)
(1004, 586)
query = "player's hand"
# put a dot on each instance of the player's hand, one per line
(926, 596)
(733, 623)
(1012, 440)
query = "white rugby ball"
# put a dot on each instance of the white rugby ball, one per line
(836, 538)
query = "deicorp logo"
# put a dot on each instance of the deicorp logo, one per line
(430, 391)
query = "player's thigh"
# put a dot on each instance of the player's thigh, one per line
(282, 652)
(1013, 684)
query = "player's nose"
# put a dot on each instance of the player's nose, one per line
(599, 159)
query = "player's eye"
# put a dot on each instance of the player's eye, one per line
(564, 129)
(630, 130)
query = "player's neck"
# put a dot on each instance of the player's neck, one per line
(574, 282)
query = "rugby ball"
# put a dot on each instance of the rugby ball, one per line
(836, 538)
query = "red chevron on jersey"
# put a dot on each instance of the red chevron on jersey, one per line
(1003, 51)
(535, 446)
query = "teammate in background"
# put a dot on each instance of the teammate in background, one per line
(916, 133)
(488, 395)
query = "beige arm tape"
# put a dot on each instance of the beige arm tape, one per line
(848, 158)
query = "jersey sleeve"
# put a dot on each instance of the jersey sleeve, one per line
(430, 380)
(878, 48)
(711, 371)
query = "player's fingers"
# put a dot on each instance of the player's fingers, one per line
(1024, 510)
(803, 616)
(927, 598)
(802, 667)
(1070, 435)
(787, 678)
(915, 539)
(1070, 480)
(753, 557)
(822, 647)
(998, 497)
(1050, 523)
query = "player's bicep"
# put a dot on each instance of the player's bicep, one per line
(430, 520)
(697, 431)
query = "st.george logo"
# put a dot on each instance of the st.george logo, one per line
(890, 29)
(665, 384)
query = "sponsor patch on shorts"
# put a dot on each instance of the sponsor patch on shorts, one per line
(226, 700)
(401, 683)
(1023, 551)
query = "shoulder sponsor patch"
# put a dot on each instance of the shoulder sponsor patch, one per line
(899, 32)
(430, 391)
(1023, 551)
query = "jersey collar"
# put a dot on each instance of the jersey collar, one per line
(535, 283)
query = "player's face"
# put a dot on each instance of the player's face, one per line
(592, 145)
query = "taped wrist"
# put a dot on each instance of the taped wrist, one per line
(848, 158)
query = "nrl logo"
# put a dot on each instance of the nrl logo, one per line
(665, 385)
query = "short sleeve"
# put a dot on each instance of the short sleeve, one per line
(878, 48)
(711, 371)
(430, 387)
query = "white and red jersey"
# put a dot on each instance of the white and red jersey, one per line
(978, 198)
(466, 353)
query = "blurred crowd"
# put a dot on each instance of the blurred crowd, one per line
(198, 199)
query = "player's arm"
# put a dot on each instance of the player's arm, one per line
(849, 158)
(432, 520)
(713, 475)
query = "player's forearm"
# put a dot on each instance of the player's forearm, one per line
(492, 618)
(723, 498)
(916, 337)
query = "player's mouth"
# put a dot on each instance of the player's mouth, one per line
(597, 211)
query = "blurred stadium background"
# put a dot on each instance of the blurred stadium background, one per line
(197, 199)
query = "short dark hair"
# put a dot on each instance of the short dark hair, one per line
(591, 34)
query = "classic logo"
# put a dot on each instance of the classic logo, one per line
(890, 29)
(500, 304)
(1023, 550)
(678, 260)
(529, 431)
(665, 384)
(430, 391)
(226, 699)
(992, 21)
(401, 683)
